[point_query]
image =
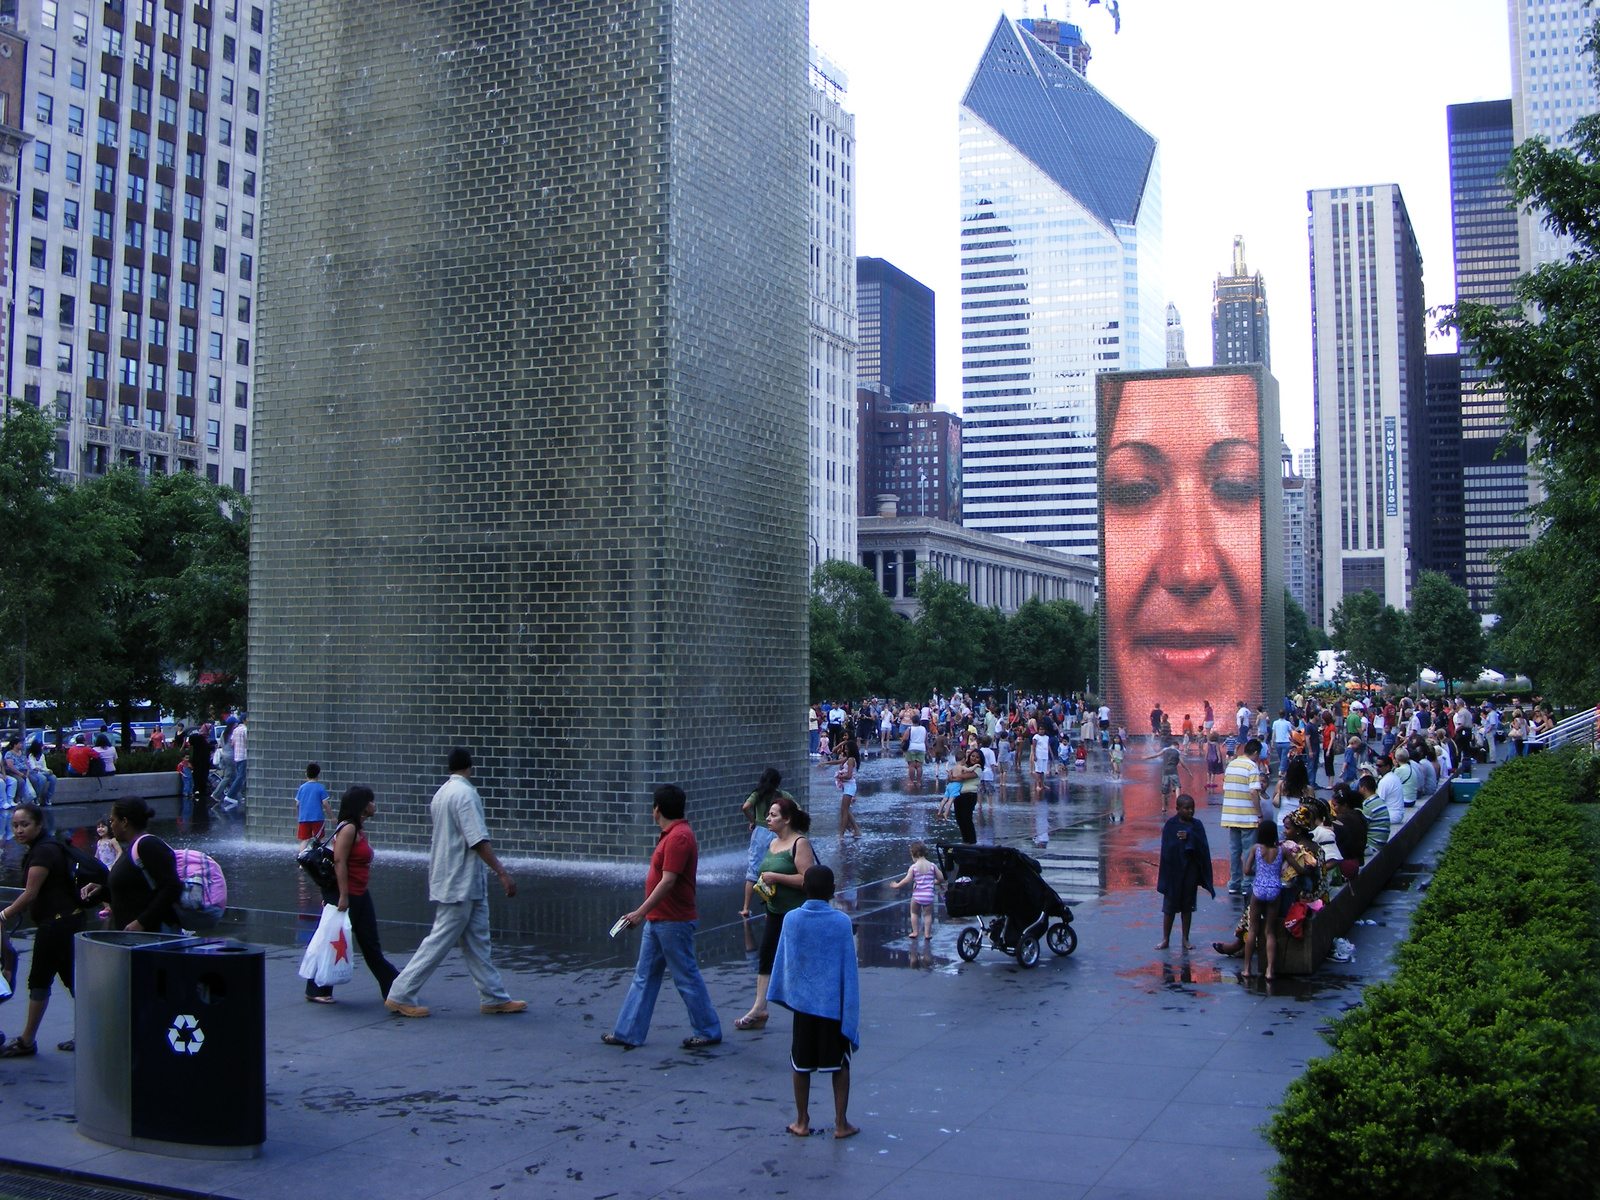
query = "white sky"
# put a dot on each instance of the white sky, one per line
(1253, 101)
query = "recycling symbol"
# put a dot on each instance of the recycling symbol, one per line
(185, 1036)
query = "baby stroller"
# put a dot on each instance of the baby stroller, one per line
(1015, 906)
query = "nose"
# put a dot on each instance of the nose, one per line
(1189, 552)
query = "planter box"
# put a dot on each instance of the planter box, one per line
(84, 800)
(1303, 955)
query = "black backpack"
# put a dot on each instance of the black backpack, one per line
(85, 867)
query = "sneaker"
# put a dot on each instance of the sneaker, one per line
(405, 1010)
(505, 1006)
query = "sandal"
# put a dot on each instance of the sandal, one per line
(700, 1043)
(748, 1022)
(612, 1039)
(17, 1048)
(67, 1046)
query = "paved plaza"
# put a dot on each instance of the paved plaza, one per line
(1119, 1072)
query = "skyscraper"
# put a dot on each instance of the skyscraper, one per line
(533, 415)
(1239, 329)
(1176, 355)
(1485, 236)
(1368, 355)
(1551, 87)
(1061, 279)
(895, 332)
(831, 157)
(1064, 38)
(135, 297)
(909, 451)
(1439, 511)
(1296, 514)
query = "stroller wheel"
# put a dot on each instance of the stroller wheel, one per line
(967, 944)
(1063, 938)
(1028, 951)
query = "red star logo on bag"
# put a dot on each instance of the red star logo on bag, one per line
(341, 948)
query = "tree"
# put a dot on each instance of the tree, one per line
(858, 650)
(1375, 639)
(1301, 643)
(1543, 355)
(945, 645)
(1049, 647)
(1447, 634)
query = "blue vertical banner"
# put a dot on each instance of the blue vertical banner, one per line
(1391, 468)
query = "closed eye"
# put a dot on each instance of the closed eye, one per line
(1132, 493)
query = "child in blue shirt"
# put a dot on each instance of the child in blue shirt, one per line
(311, 800)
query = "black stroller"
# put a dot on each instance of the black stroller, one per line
(1015, 906)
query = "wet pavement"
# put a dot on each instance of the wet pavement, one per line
(1119, 1071)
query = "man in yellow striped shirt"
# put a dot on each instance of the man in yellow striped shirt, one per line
(1241, 808)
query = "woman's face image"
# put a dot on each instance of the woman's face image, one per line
(1182, 496)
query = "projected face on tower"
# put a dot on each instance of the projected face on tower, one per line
(1181, 488)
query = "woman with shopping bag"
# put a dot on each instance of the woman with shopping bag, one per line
(348, 908)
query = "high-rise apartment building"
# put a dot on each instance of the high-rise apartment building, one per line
(1176, 355)
(1488, 258)
(1368, 354)
(1439, 516)
(894, 332)
(1552, 85)
(909, 451)
(1240, 333)
(1306, 468)
(832, 142)
(1061, 279)
(1296, 515)
(13, 89)
(137, 229)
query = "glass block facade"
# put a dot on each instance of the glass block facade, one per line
(137, 231)
(532, 427)
(1488, 258)
(1061, 278)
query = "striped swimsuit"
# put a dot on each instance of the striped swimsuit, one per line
(922, 885)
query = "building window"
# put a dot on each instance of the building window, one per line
(97, 368)
(138, 144)
(64, 356)
(191, 207)
(74, 120)
(69, 261)
(130, 326)
(36, 252)
(238, 437)
(246, 266)
(252, 101)
(249, 141)
(219, 302)
(74, 167)
(255, 19)
(161, 242)
(100, 320)
(253, 61)
(132, 279)
(219, 259)
(225, 90)
(63, 458)
(168, 108)
(191, 252)
(102, 224)
(69, 214)
(47, 13)
(186, 384)
(224, 131)
(110, 87)
(230, 48)
(33, 351)
(41, 205)
(214, 434)
(244, 308)
(198, 78)
(136, 188)
(211, 472)
(238, 472)
(189, 296)
(186, 427)
(241, 394)
(106, 131)
(94, 459)
(241, 352)
(67, 311)
(30, 393)
(223, 174)
(186, 336)
(130, 372)
(44, 109)
(248, 187)
(247, 224)
(36, 302)
(78, 74)
(143, 55)
(197, 122)
(215, 340)
(141, 99)
(41, 157)
(158, 287)
(105, 179)
(130, 418)
(111, 41)
(158, 331)
(47, 61)
(155, 377)
(220, 218)
(133, 235)
(195, 165)
(214, 390)
(166, 153)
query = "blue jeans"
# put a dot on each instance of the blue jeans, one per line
(188, 793)
(1283, 757)
(666, 945)
(1237, 837)
(235, 788)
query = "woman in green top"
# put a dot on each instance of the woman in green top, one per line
(783, 868)
(755, 812)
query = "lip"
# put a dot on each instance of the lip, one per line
(1185, 651)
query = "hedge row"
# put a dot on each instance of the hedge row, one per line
(1475, 1070)
(129, 762)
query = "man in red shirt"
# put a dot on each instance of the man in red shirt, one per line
(78, 755)
(668, 917)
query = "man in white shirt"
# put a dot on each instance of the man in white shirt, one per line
(1391, 793)
(236, 739)
(1281, 729)
(916, 743)
(458, 885)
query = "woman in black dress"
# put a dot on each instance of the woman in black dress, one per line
(144, 888)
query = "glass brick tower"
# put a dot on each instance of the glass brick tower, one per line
(1061, 278)
(137, 231)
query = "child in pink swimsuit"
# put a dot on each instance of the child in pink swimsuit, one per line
(923, 877)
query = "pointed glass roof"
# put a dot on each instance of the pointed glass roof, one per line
(1062, 123)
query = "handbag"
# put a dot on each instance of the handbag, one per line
(327, 961)
(316, 860)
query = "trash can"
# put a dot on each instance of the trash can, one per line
(171, 1044)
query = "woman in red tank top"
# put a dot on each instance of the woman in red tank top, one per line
(352, 863)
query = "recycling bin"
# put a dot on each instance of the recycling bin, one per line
(171, 1043)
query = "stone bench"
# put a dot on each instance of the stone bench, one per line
(1304, 954)
(83, 800)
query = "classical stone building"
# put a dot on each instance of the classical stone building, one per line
(530, 469)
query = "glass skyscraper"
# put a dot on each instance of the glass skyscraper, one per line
(1484, 222)
(895, 332)
(1061, 279)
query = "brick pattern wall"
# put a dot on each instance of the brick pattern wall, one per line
(530, 435)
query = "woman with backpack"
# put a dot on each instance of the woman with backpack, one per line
(50, 897)
(352, 864)
(143, 887)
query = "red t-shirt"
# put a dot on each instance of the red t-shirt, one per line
(676, 851)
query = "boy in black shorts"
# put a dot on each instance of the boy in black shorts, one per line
(814, 976)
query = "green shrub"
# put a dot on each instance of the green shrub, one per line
(129, 762)
(1475, 1071)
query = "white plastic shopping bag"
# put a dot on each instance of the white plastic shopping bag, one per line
(327, 961)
